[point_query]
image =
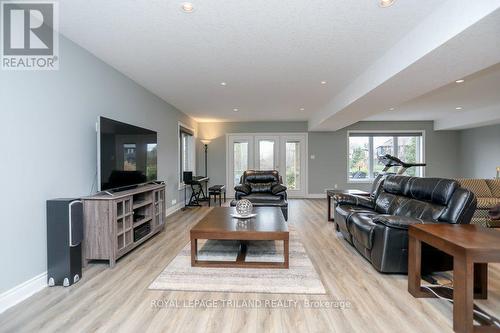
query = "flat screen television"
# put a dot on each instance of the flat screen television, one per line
(126, 155)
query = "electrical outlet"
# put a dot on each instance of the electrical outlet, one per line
(174, 202)
(313, 157)
(336, 186)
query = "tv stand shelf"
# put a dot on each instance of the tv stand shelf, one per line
(109, 221)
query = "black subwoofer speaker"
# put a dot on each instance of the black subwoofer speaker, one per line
(64, 241)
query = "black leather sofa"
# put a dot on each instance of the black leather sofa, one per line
(377, 226)
(262, 189)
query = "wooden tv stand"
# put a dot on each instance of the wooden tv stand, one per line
(110, 220)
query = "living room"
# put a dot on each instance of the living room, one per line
(297, 157)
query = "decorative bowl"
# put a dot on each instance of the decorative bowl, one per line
(244, 207)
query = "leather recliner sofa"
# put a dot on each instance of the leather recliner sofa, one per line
(377, 226)
(263, 189)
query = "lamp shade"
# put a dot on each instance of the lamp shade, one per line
(205, 141)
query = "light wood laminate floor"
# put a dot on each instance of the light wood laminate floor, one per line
(117, 300)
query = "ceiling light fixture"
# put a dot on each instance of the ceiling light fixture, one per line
(391, 109)
(187, 7)
(323, 82)
(386, 3)
(458, 108)
(301, 109)
(223, 84)
(236, 109)
(460, 81)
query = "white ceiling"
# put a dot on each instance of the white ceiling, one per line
(274, 54)
(479, 91)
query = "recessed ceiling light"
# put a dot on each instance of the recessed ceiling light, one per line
(458, 108)
(391, 109)
(187, 7)
(223, 84)
(323, 82)
(301, 109)
(236, 109)
(460, 81)
(386, 3)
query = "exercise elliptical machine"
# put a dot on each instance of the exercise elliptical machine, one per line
(389, 162)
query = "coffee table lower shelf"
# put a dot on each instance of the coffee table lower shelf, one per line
(240, 259)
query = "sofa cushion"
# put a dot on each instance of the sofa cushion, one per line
(400, 222)
(261, 176)
(436, 190)
(361, 227)
(243, 188)
(278, 188)
(347, 210)
(420, 210)
(487, 203)
(494, 185)
(478, 186)
(263, 198)
(260, 187)
(388, 203)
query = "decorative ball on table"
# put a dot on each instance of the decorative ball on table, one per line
(244, 207)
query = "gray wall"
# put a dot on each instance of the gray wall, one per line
(49, 146)
(480, 152)
(330, 149)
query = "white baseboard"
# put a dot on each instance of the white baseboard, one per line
(174, 208)
(22, 291)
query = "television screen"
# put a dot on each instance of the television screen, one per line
(126, 154)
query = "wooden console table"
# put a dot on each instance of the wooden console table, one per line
(472, 248)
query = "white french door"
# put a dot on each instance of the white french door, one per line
(293, 162)
(286, 153)
(267, 152)
(240, 157)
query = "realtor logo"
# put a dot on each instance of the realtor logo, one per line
(29, 35)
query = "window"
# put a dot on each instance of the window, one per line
(186, 151)
(240, 151)
(365, 148)
(292, 156)
(266, 152)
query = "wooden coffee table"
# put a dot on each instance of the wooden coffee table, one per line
(472, 248)
(269, 224)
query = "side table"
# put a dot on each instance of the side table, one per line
(472, 248)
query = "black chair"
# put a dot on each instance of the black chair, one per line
(378, 226)
(262, 189)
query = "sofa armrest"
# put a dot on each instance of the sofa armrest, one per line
(243, 188)
(351, 199)
(278, 188)
(399, 222)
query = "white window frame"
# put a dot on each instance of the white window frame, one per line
(180, 124)
(370, 152)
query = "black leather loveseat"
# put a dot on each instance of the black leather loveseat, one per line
(262, 188)
(377, 226)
